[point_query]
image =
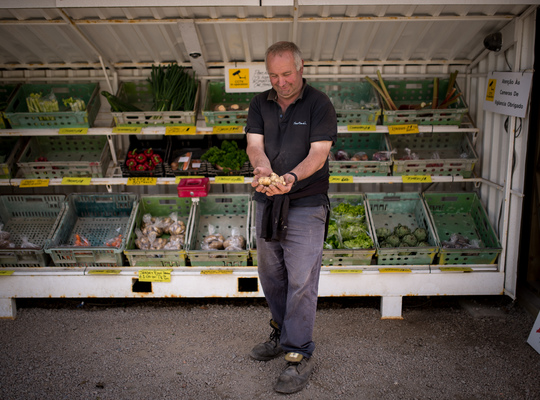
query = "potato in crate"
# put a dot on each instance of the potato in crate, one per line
(404, 234)
(93, 230)
(463, 228)
(220, 230)
(28, 222)
(65, 156)
(222, 108)
(158, 238)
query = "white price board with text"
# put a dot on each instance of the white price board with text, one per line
(246, 77)
(508, 93)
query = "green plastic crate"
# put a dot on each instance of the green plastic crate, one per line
(159, 206)
(67, 156)
(367, 142)
(141, 96)
(465, 214)
(390, 209)
(6, 94)
(224, 212)
(34, 217)
(10, 151)
(355, 102)
(215, 96)
(98, 218)
(342, 257)
(19, 117)
(455, 152)
(405, 93)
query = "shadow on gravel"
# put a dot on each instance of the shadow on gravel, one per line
(409, 302)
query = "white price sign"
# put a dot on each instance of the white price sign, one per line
(508, 93)
(246, 77)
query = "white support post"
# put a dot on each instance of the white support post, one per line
(391, 307)
(8, 309)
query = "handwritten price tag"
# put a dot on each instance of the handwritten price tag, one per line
(403, 129)
(76, 181)
(341, 179)
(228, 129)
(346, 271)
(6, 273)
(361, 128)
(73, 131)
(142, 181)
(456, 269)
(127, 129)
(27, 183)
(416, 179)
(104, 272)
(394, 270)
(216, 272)
(155, 275)
(181, 130)
(229, 179)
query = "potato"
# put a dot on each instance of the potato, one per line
(176, 228)
(273, 179)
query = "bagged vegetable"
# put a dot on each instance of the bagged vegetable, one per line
(212, 241)
(235, 242)
(26, 244)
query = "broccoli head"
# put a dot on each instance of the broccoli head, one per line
(393, 240)
(382, 233)
(401, 230)
(409, 240)
(420, 234)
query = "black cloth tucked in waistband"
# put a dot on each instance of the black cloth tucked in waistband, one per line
(276, 210)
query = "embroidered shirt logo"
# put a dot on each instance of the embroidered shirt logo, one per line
(299, 123)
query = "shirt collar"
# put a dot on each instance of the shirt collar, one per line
(272, 95)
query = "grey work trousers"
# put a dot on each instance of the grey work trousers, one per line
(289, 273)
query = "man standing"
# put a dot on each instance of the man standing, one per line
(290, 131)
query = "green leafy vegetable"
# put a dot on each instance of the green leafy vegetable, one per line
(229, 156)
(347, 228)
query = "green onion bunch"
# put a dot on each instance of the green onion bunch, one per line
(174, 89)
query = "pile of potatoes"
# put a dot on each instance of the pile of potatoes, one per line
(216, 241)
(161, 233)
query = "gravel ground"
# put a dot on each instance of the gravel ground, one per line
(444, 348)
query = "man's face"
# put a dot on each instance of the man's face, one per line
(284, 77)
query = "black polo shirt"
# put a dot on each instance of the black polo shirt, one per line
(288, 137)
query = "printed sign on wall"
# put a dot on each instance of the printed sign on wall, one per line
(508, 93)
(246, 77)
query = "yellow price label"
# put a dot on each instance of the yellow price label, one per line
(229, 179)
(181, 130)
(416, 179)
(104, 272)
(228, 129)
(179, 178)
(346, 271)
(394, 270)
(73, 131)
(6, 273)
(76, 181)
(456, 269)
(127, 129)
(341, 179)
(142, 181)
(155, 275)
(27, 183)
(403, 129)
(216, 271)
(361, 128)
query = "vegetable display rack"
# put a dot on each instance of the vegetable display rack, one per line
(408, 96)
(28, 219)
(369, 143)
(389, 210)
(349, 256)
(20, 118)
(140, 95)
(222, 108)
(463, 214)
(187, 154)
(65, 156)
(355, 102)
(6, 94)
(219, 214)
(89, 222)
(437, 154)
(159, 206)
(10, 151)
